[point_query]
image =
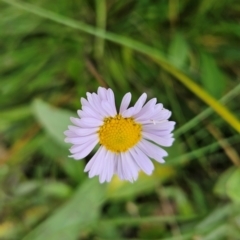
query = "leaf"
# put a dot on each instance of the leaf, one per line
(74, 169)
(214, 219)
(178, 51)
(53, 120)
(56, 189)
(80, 212)
(233, 184)
(220, 186)
(212, 78)
(218, 232)
(183, 204)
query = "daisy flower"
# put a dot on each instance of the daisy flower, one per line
(127, 139)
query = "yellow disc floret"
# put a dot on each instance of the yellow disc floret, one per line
(119, 134)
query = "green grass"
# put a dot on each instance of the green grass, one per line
(184, 53)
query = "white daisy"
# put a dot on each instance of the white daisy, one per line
(127, 139)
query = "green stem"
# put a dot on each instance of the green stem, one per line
(135, 221)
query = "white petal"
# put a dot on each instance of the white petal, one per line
(98, 163)
(82, 114)
(151, 103)
(148, 106)
(107, 107)
(108, 168)
(81, 140)
(91, 122)
(84, 102)
(84, 123)
(130, 166)
(92, 161)
(83, 131)
(142, 160)
(97, 104)
(76, 121)
(145, 116)
(164, 114)
(89, 112)
(147, 111)
(167, 125)
(138, 105)
(102, 93)
(111, 166)
(89, 98)
(103, 173)
(152, 150)
(126, 172)
(69, 133)
(79, 147)
(110, 95)
(129, 112)
(125, 102)
(119, 167)
(85, 151)
(163, 141)
(162, 133)
(111, 100)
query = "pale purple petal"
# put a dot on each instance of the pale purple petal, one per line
(119, 167)
(125, 102)
(92, 160)
(125, 170)
(111, 100)
(83, 131)
(91, 122)
(138, 105)
(163, 141)
(81, 140)
(152, 150)
(79, 147)
(89, 112)
(129, 112)
(85, 102)
(148, 107)
(108, 169)
(167, 125)
(145, 116)
(130, 166)
(85, 151)
(162, 133)
(95, 164)
(102, 93)
(69, 133)
(111, 166)
(109, 109)
(164, 114)
(98, 107)
(82, 114)
(95, 103)
(76, 121)
(144, 163)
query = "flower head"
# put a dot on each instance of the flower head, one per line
(127, 139)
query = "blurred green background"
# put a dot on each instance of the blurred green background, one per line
(186, 53)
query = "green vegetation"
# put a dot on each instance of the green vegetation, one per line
(185, 53)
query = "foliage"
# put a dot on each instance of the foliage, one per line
(185, 53)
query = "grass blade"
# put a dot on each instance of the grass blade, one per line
(140, 47)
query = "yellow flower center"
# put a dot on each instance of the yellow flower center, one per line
(118, 134)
